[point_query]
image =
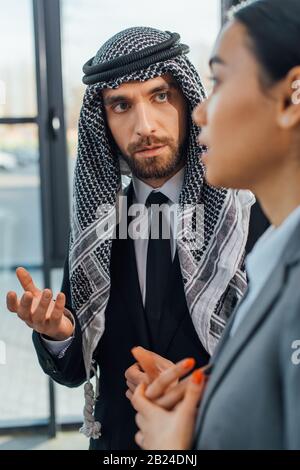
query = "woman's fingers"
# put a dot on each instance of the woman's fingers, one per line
(12, 302)
(26, 281)
(168, 377)
(24, 310)
(139, 439)
(167, 401)
(173, 396)
(140, 420)
(140, 403)
(193, 394)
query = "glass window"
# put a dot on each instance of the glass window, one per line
(97, 20)
(17, 64)
(23, 389)
(19, 197)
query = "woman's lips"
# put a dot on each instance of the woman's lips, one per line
(205, 156)
(202, 138)
(153, 152)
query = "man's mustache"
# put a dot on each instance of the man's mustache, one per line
(148, 142)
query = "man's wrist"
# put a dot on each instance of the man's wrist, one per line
(63, 337)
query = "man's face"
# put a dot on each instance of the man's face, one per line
(148, 121)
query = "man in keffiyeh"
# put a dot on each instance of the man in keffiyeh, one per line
(136, 114)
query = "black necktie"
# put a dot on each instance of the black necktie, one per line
(159, 262)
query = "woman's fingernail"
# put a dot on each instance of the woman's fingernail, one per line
(197, 376)
(189, 363)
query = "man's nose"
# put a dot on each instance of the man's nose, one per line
(144, 121)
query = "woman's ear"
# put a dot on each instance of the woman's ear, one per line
(289, 110)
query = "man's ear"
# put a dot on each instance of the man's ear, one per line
(289, 110)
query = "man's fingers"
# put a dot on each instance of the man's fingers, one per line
(59, 306)
(146, 360)
(161, 362)
(131, 386)
(39, 315)
(169, 376)
(129, 394)
(24, 311)
(26, 281)
(12, 302)
(134, 374)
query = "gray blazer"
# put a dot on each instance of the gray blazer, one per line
(252, 399)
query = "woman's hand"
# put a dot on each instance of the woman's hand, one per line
(166, 390)
(161, 429)
(149, 365)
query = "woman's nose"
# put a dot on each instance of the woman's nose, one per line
(199, 114)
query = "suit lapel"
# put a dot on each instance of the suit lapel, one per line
(229, 348)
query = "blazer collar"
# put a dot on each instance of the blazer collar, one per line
(229, 348)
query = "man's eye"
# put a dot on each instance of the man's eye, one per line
(120, 107)
(161, 97)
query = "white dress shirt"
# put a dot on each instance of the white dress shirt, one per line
(171, 189)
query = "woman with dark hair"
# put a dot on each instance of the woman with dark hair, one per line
(251, 125)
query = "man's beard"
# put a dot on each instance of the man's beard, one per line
(155, 167)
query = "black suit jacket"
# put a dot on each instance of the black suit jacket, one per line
(125, 327)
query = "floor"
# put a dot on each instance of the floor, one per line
(71, 440)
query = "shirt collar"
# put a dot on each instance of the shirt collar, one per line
(170, 188)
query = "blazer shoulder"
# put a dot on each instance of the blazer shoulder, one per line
(290, 297)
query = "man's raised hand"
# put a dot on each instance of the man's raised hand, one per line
(38, 309)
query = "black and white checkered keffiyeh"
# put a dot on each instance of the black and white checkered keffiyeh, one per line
(212, 275)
